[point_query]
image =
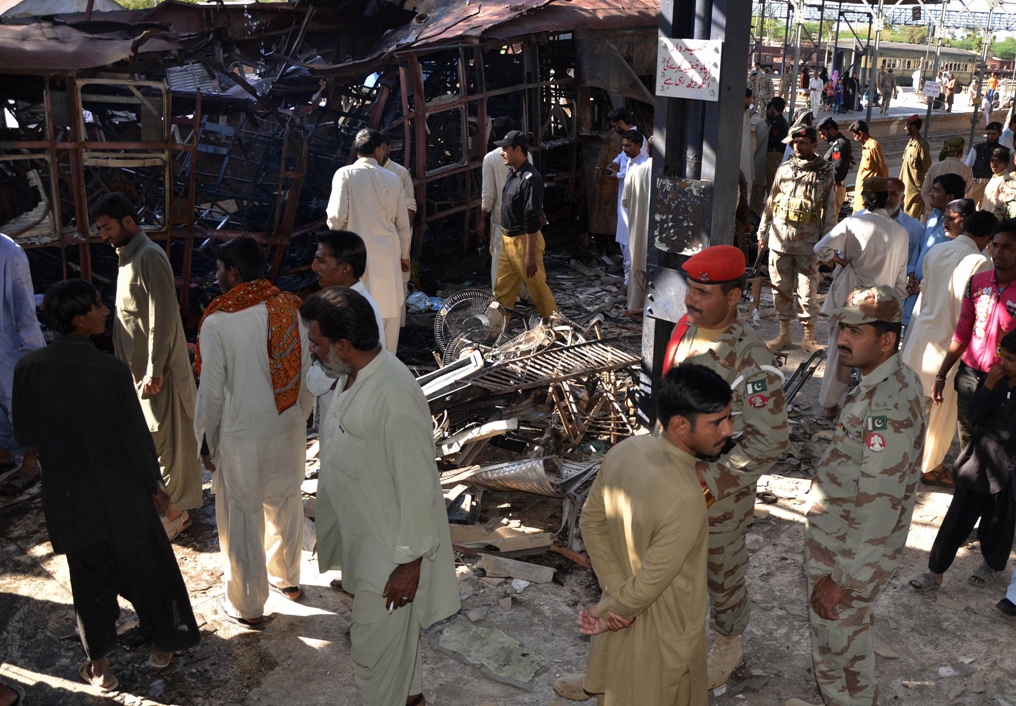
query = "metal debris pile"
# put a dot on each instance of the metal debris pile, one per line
(532, 413)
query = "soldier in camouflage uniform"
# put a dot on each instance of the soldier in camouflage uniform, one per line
(862, 498)
(712, 334)
(887, 87)
(801, 209)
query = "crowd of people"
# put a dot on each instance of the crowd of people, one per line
(921, 345)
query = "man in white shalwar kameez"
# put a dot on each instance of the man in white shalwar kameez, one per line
(633, 153)
(870, 249)
(252, 410)
(380, 512)
(340, 261)
(948, 268)
(369, 200)
(635, 198)
(410, 191)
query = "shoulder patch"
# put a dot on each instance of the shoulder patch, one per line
(875, 442)
(756, 386)
(527, 175)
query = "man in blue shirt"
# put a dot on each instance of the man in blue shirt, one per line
(947, 188)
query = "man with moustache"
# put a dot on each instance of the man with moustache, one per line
(252, 411)
(916, 163)
(381, 515)
(979, 161)
(712, 335)
(862, 499)
(148, 336)
(632, 147)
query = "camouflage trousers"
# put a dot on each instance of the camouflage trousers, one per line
(795, 274)
(728, 561)
(843, 650)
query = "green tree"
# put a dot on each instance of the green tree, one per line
(1006, 49)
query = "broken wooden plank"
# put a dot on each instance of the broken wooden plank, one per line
(574, 556)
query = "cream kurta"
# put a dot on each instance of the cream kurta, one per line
(635, 198)
(369, 200)
(947, 269)
(875, 248)
(379, 499)
(407, 183)
(645, 528)
(259, 456)
(991, 191)
(148, 336)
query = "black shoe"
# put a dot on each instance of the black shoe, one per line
(1006, 608)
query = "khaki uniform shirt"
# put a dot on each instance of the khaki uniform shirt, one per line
(862, 498)
(801, 206)
(916, 163)
(872, 164)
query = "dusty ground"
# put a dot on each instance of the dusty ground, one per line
(302, 656)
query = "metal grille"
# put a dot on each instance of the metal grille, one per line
(555, 365)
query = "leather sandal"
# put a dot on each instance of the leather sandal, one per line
(938, 477)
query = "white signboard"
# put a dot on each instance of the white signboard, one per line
(689, 68)
(932, 89)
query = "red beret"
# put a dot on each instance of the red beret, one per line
(716, 265)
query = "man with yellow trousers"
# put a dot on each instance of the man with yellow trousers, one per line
(521, 258)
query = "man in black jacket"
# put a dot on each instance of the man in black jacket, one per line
(838, 155)
(79, 408)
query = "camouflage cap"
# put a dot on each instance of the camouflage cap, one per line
(953, 147)
(871, 304)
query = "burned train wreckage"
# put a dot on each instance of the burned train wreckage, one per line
(228, 119)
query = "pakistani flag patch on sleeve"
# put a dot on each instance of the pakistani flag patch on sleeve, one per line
(756, 390)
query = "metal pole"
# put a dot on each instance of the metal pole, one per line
(818, 44)
(836, 41)
(786, 41)
(939, 31)
(985, 43)
(879, 24)
(798, 19)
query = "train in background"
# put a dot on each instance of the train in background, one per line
(902, 58)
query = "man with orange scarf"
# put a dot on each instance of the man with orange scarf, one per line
(252, 410)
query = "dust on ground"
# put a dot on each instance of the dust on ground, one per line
(303, 657)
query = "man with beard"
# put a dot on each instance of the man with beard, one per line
(148, 336)
(381, 515)
(801, 209)
(252, 410)
(633, 149)
(869, 250)
(713, 335)
(949, 162)
(862, 498)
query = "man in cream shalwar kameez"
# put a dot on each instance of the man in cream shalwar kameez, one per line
(148, 336)
(410, 191)
(380, 510)
(259, 453)
(645, 528)
(870, 249)
(948, 268)
(635, 198)
(369, 200)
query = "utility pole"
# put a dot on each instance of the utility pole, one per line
(879, 25)
(696, 153)
(939, 31)
(985, 45)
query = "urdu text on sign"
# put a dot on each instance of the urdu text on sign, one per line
(689, 68)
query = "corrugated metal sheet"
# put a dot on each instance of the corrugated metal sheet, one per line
(44, 47)
(44, 8)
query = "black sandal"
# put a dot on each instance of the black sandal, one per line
(293, 593)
